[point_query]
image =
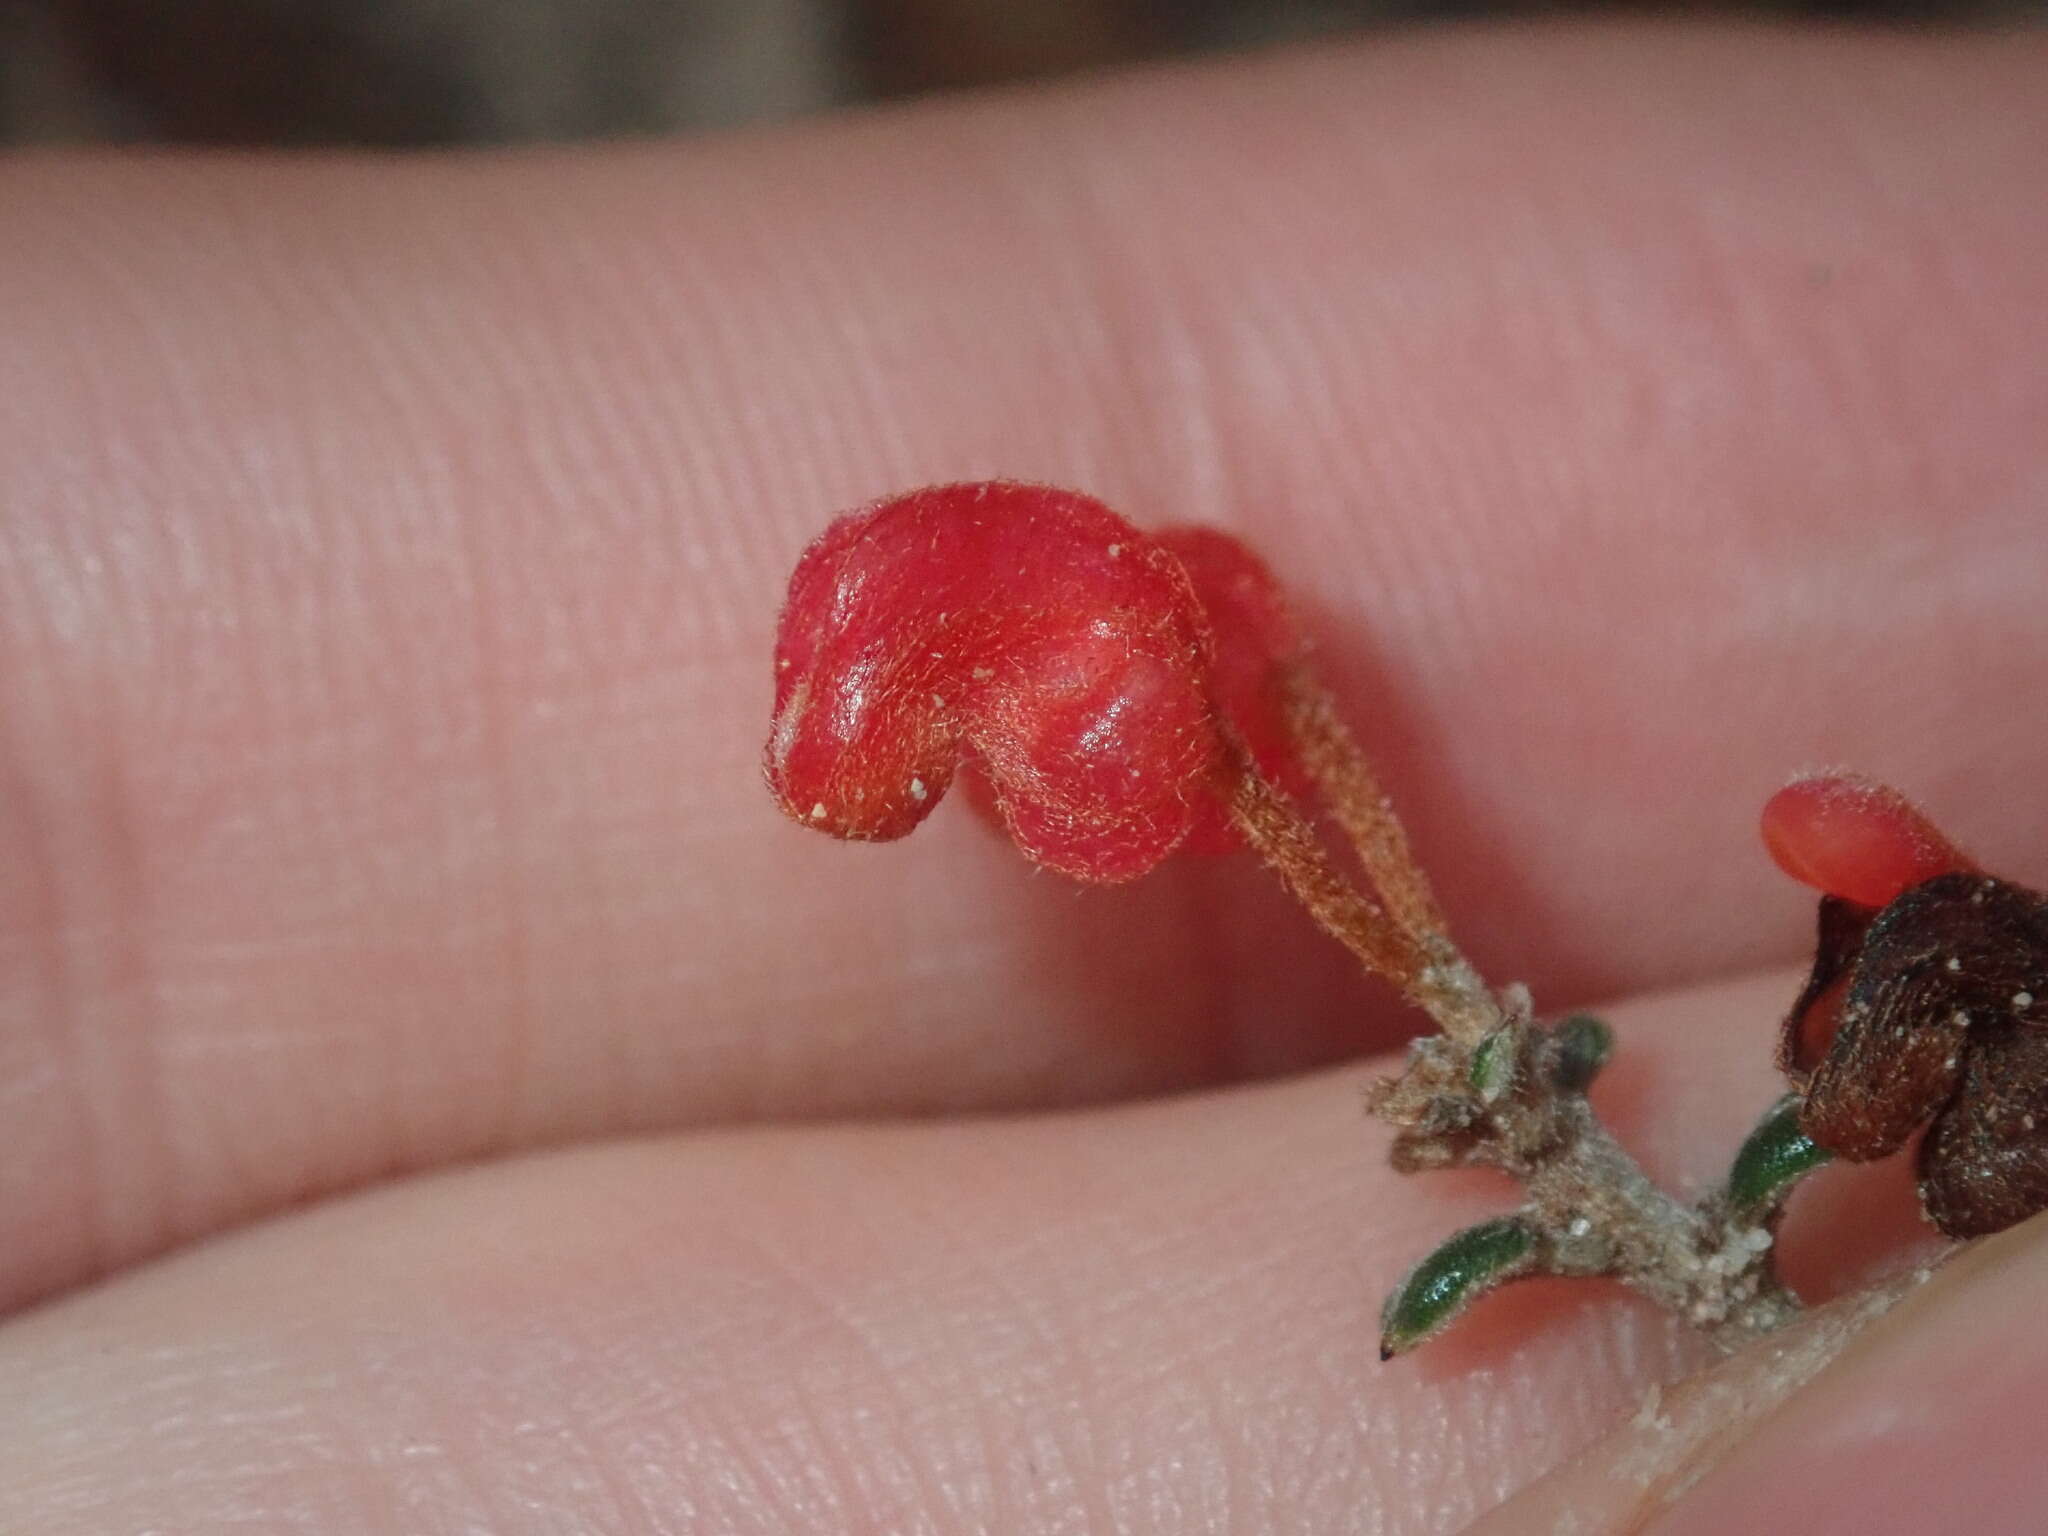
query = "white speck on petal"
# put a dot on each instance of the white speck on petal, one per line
(917, 790)
(818, 811)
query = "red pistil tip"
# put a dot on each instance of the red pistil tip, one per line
(1030, 627)
(1855, 838)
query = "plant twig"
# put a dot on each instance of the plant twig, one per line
(1518, 1104)
(1494, 1088)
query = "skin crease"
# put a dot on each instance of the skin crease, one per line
(388, 558)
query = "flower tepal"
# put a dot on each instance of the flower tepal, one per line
(1029, 626)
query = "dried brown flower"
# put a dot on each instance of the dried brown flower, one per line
(1933, 1010)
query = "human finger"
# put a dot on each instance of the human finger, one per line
(390, 552)
(1158, 1317)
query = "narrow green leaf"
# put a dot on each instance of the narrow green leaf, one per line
(1777, 1155)
(1583, 1045)
(1493, 1063)
(1467, 1266)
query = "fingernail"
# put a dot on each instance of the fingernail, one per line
(1679, 1433)
(1927, 1419)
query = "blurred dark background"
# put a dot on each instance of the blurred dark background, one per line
(398, 72)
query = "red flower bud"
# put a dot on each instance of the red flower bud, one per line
(1855, 838)
(1029, 625)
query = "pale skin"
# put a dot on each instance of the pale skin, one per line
(388, 561)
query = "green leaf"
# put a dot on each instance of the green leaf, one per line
(1465, 1268)
(1493, 1063)
(1583, 1045)
(1777, 1155)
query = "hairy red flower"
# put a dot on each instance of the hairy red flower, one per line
(1029, 626)
(1855, 838)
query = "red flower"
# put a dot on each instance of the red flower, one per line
(1032, 632)
(1030, 626)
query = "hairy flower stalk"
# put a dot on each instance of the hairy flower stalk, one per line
(1124, 695)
